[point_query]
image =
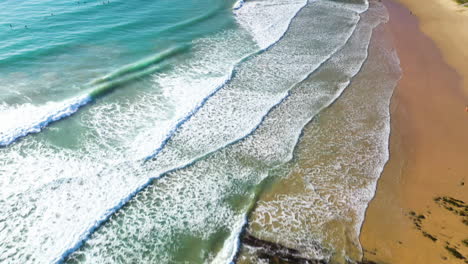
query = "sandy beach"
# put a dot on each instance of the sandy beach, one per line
(298, 131)
(445, 22)
(419, 213)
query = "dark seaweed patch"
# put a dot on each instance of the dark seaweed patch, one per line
(431, 237)
(455, 206)
(417, 219)
(454, 252)
(277, 253)
(367, 262)
(465, 242)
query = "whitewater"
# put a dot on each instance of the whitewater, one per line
(159, 145)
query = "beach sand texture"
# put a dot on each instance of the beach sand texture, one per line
(419, 213)
(446, 23)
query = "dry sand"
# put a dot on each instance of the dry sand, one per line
(446, 23)
(428, 143)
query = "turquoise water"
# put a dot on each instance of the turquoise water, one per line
(97, 37)
(144, 131)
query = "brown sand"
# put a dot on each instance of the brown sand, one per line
(445, 22)
(428, 147)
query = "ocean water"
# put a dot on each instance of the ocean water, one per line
(162, 131)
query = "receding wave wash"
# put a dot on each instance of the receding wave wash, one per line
(174, 132)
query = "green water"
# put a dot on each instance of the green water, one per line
(146, 131)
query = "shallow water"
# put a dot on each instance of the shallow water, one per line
(149, 136)
(318, 205)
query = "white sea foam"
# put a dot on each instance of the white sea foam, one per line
(262, 82)
(226, 173)
(340, 158)
(237, 5)
(75, 190)
(56, 195)
(232, 243)
(267, 20)
(18, 121)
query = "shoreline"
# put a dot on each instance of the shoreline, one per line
(348, 131)
(445, 22)
(416, 215)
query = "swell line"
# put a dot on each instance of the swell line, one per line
(150, 180)
(107, 215)
(99, 88)
(34, 53)
(111, 211)
(300, 135)
(131, 68)
(183, 120)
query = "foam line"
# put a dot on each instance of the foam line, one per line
(233, 258)
(331, 102)
(186, 118)
(103, 219)
(125, 200)
(65, 110)
(204, 100)
(238, 243)
(238, 239)
(238, 5)
(121, 204)
(99, 89)
(106, 216)
(232, 244)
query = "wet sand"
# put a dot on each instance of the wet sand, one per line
(446, 23)
(420, 212)
(313, 210)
